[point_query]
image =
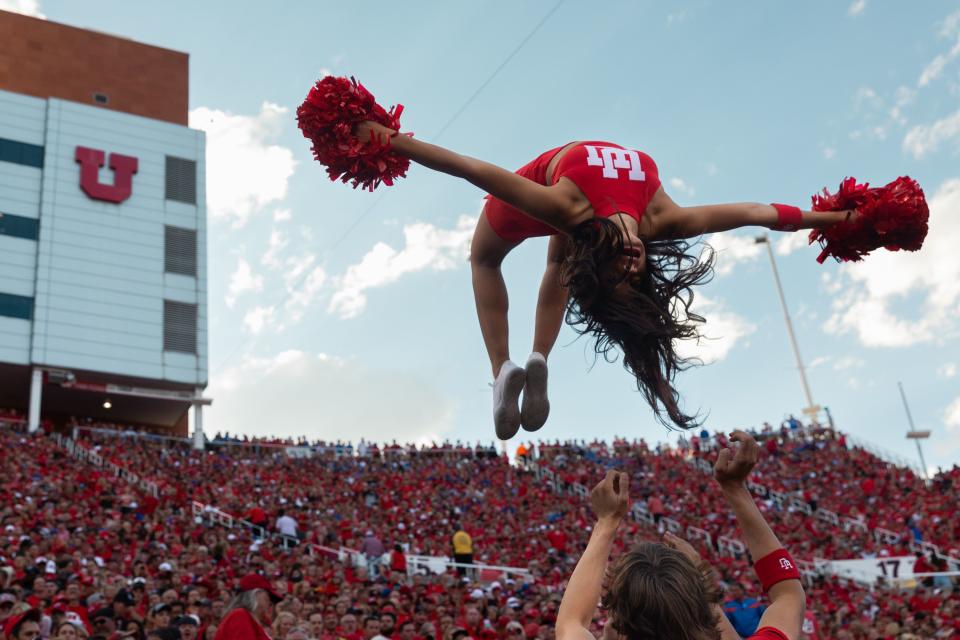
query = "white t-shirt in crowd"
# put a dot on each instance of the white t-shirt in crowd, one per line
(287, 526)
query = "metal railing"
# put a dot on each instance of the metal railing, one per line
(82, 453)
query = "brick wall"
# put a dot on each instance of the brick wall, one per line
(46, 59)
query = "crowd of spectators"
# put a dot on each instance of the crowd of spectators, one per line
(98, 558)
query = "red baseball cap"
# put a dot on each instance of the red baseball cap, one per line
(253, 581)
(13, 622)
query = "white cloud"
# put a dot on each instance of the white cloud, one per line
(829, 153)
(296, 266)
(949, 29)
(935, 67)
(790, 242)
(732, 249)
(258, 318)
(679, 16)
(879, 115)
(426, 248)
(856, 8)
(819, 360)
(924, 139)
(952, 415)
(902, 97)
(950, 25)
(951, 418)
(278, 242)
(865, 292)
(680, 185)
(867, 97)
(847, 362)
(328, 398)
(721, 332)
(282, 215)
(302, 294)
(242, 281)
(947, 370)
(26, 7)
(246, 171)
(932, 70)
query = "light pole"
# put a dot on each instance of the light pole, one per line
(913, 434)
(811, 409)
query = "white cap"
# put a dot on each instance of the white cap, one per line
(495, 585)
(476, 594)
(165, 566)
(51, 566)
(74, 618)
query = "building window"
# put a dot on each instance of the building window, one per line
(179, 327)
(21, 153)
(19, 227)
(13, 306)
(181, 180)
(180, 251)
(101, 98)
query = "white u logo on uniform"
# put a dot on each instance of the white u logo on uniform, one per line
(613, 159)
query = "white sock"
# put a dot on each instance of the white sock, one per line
(536, 406)
(506, 393)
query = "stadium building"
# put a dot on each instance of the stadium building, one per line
(103, 294)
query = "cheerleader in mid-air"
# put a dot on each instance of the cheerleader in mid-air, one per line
(618, 263)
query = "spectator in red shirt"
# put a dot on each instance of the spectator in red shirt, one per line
(398, 560)
(250, 611)
(349, 628)
(25, 626)
(656, 508)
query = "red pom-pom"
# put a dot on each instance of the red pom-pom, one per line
(328, 116)
(894, 217)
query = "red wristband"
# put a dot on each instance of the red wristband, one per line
(776, 567)
(789, 217)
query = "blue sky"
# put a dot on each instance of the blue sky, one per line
(373, 333)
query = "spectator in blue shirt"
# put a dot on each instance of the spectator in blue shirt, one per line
(742, 612)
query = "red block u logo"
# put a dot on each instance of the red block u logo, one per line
(123, 169)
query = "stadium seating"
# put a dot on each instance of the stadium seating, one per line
(114, 509)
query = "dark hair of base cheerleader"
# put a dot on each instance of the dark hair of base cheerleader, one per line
(641, 316)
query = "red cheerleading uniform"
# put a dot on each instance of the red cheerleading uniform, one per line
(613, 178)
(768, 633)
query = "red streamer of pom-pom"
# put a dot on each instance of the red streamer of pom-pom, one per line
(894, 217)
(328, 116)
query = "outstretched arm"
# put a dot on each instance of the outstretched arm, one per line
(787, 599)
(551, 205)
(673, 221)
(610, 501)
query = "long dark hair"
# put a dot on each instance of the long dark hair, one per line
(639, 316)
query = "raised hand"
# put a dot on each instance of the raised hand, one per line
(611, 497)
(733, 466)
